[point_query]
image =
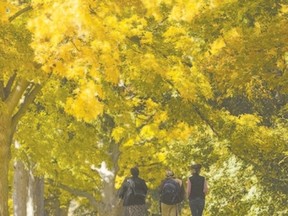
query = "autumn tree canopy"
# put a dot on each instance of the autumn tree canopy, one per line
(154, 83)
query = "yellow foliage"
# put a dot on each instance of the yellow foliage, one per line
(217, 45)
(95, 74)
(160, 116)
(117, 133)
(85, 105)
(186, 10)
(119, 180)
(152, 8)
(129, 143)
(190, 83)
(173, 32)
(151, 105)
(217, 3)
(161, 156)
(192, 8)
(112, 74)
(101, 45)
(257, 28)
(149, 62)
(149, 131)
(202, 83)
(187, 89)
(175, 73)
(248, 120)
(83, 109)
(75, 71)
(233, 33)
(7, 9)
(133, 26)
(181, 131)
(147, 38)
(284, 8)
(185, 43)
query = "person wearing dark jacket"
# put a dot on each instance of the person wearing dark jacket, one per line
(196, 191)
(133, 192)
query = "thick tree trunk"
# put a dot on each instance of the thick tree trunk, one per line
(110, 201)
(108, 198)
(11, 110)
(5, 140)
(20, 192)
(35, 205)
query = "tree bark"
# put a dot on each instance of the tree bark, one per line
(109, 194)
(38, 198)
(20, 193)
(11, 110)
(56, 206)
(64, 211)
(57, 209)
(108, 197)
(5, 140)
(35, 205)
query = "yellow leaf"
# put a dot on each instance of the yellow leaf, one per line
(117, 133)
(148, 131)
(217, 46)
(129, 143)
(147, 38)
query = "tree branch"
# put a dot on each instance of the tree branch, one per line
(20, 12)
(205, 120)
(29, 98)
(151, 164)
(16, 94)
(9, 85)
(2, 94)
(77, 192)
(149, 120)
(202, 117)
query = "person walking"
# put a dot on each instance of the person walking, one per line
(133, 193)
(197, 188)
(171, 195)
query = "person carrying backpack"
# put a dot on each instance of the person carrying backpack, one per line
(171, 195)
(133, 193)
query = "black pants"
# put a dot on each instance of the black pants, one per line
(197, 206)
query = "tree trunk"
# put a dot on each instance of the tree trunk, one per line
(20, 193)
(110, 202)
(5, 140)
(108, 198)
(56, 206)
(38, 198)
(10, 113)
(35, 205)
(64, 211)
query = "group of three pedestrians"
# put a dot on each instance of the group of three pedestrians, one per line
(171, 193)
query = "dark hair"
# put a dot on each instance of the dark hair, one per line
(196, 167)
(134, 171)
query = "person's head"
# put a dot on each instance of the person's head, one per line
(195, 168)
(134, 171)
(169, 173)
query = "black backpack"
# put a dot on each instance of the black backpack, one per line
(135, 189)
(170, 193)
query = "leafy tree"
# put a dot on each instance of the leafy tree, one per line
(149, 76)
(19, 84)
